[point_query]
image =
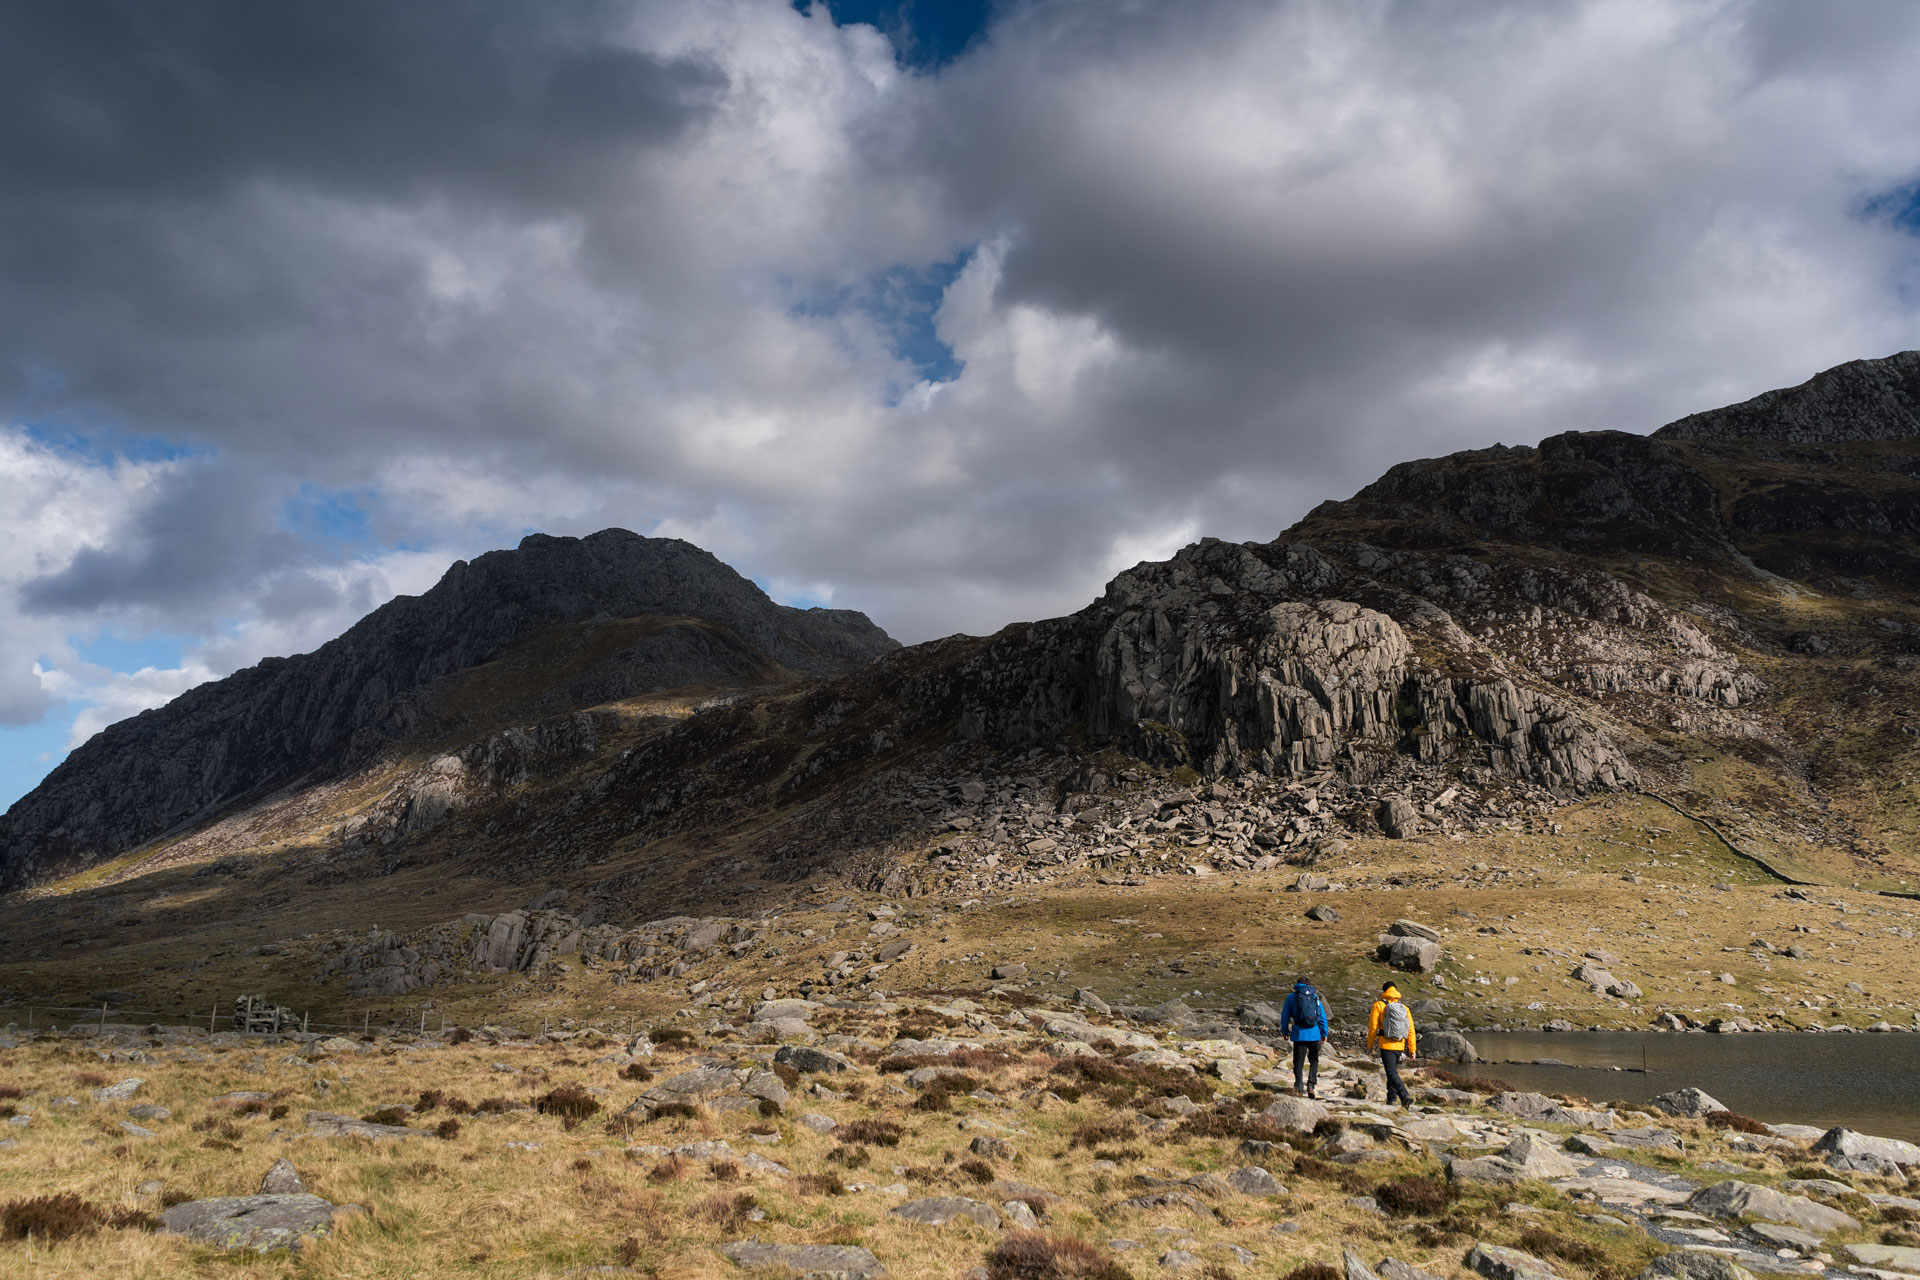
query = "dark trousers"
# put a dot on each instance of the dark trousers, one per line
(1390, 1059)
(1307, 1053)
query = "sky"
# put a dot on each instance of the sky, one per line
(942, 311)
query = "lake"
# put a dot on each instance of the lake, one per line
(1866, 1082)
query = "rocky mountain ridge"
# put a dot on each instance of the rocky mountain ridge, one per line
(298, 720)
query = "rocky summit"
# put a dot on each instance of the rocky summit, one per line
(611, 616)
(683, 933)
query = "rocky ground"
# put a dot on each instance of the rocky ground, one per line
(931, 1136)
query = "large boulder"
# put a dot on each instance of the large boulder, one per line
(1447, 1046)
(1899, 1257)
(261, 1224)
(697, 1085)
(1299, 1114)
(1844, 1142)
(1413, 955)
(811, 1061)
(1690, 1103)
(1733, 1200)
(1397, 817)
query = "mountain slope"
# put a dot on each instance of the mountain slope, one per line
(309, 717)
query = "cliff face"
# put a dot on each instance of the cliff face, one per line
(304, 718)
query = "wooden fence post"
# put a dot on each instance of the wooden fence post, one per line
(211, 1016)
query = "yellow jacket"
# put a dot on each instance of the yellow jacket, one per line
(1374, 1042)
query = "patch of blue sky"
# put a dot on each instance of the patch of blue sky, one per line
(337, 519)
(926, 34)
(117, 651)
(103, 444)
(29, 752)
(902, 304)
(1898, 208)
(795, 600)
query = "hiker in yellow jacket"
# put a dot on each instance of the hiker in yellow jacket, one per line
(1390, 1033)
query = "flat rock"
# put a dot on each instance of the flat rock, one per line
(938, 1211)
(261, 1224)
(1647, 1139)
(701, 1083)
(806, 1261)
(1898, 1256)
(118, 1092)
(1734, 1199)
(1691, 1103)
(1394, 1269)
(1694, 1264)
(1779, 1236)
(327, 1125)
(147, 1111)
(772, 1010)
(1629, 1190)
(1496, 1262)
(1354, 1267)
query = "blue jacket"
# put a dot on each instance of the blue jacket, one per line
(1304, 1016)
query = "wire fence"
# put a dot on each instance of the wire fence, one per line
(42, 1014)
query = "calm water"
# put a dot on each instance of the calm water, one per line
(1866, 1082)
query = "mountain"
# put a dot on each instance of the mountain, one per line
(289, 721)
(1597, 684)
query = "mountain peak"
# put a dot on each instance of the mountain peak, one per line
(1859, 400)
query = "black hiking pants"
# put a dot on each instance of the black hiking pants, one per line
(1306, 1053)
(1390, 1059)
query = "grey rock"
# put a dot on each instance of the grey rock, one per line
(806, 1261)
(1776, 1236)
(1252, 1180)
(1179, 1260)
(1394, 1269)
(1088, 1000)
(260, 1224)
(1648, 1139)
(327, 1125)
(133, 1130)
(148, 1111)
(1354, 1268)
(1020, 1214)
(1733, 1200)
(1690, 1103)
(1900, 1257)
(1413, 929)
(992, 1148)
(1322, 913)
(937, 1211)
(1842, 1141)
(283, 1180)
(119, 1092)
(1414, 955)
(1447, 1046)
(1694, 1264)
(1398, 819)
(811, 1061)
(1496, 1262)
(1009, 971)
(1298, 1114)
(818, 1123)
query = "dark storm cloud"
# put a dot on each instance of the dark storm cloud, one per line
(202, 529)
(177, 98)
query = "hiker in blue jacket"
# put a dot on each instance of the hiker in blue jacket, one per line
(1303, 1020)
